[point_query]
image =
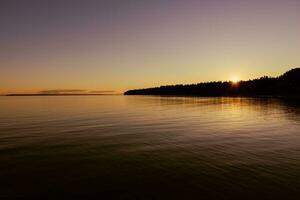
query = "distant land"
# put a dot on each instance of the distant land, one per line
(286, 85)
(61, 94)
(66, 92)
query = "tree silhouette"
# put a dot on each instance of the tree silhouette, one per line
(287, 84)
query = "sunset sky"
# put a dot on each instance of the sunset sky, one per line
(115, 45)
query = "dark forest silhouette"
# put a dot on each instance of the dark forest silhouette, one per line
(287, 84)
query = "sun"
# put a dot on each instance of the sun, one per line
(235, 79)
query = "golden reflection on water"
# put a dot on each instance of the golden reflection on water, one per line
(137, 145)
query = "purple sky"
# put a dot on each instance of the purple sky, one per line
(119, 45)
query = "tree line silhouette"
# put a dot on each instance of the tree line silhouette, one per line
(287, 84)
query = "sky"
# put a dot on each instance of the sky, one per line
(116, 45)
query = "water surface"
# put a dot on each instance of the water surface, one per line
(145, 147)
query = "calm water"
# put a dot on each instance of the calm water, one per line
(127, 147)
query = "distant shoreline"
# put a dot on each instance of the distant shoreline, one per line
(10, 95)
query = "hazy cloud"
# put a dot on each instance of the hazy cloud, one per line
(101, 91)
(59, 91)
(75, 91)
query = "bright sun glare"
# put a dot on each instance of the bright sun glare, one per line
(235, 79)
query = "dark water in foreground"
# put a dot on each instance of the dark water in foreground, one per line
(126, 147)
